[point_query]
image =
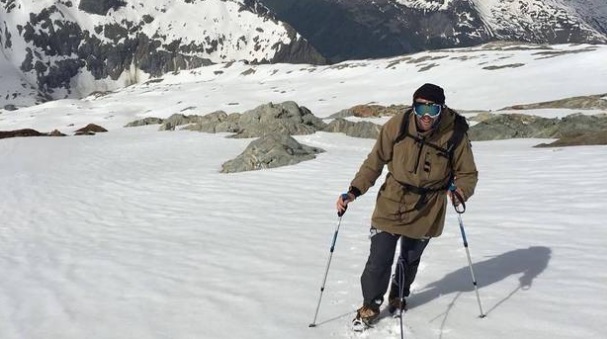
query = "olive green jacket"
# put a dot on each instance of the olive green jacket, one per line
(398, 209)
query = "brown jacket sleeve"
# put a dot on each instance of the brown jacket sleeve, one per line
(379, 156)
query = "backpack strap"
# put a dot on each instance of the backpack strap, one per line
(460, 128)
(404, 128)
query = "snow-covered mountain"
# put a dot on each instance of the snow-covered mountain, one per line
(60, 48)
(347, 29)
(54, 49)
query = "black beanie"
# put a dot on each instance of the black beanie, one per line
(430, 92)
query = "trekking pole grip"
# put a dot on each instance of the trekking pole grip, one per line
(461, 208)
(344, 197)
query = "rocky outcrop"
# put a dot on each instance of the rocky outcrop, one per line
(145, 122)
(367, 111)
(270, 151)
(90, 129)
(28, 132)
(598, 102)
(285, 118)
(100, 7)
(579, 139)
(507, 126)
(216, 122)
(360, 129)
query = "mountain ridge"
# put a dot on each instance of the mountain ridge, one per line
(359, 29)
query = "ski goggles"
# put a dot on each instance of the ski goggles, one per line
(429, 109)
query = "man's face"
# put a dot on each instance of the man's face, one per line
(426, 120)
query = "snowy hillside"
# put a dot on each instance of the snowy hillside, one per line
(535, 21)
(488, 77)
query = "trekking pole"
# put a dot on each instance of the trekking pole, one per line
(344, 197)
(401, 293)
(460, 211)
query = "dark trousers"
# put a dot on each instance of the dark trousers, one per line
(376, 276)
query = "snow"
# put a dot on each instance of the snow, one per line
(428, 5)
(134, 233)
(512, 15)
(469, 86)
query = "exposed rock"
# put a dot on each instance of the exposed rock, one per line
(480, 116)
(56, 133)
(216, 122)
(28, 132)
(299, 52)
(365, 111)
(100, 7)
(270, 151)
(286, 118)
(506, 126)
(575, 124)
(90, 129)
(175, 120)
(361, 129)
(145, 122)
(578, 139)
(581, 102)
(10, 107)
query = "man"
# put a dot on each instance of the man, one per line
(426, 150)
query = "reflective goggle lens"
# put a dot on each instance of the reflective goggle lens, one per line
(421, 109)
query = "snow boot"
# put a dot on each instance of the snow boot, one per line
(395, 306)
(365, 316)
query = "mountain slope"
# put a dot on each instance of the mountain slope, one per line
(358, 29)
(76, 47)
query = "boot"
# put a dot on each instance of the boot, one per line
(365, 316)
(394, 302)
(395, 305)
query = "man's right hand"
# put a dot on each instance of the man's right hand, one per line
(342, 202)
(455, 196)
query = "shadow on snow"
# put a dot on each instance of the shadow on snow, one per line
(530, 262)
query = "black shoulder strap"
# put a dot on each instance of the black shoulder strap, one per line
(404, 128)
(460, 128)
